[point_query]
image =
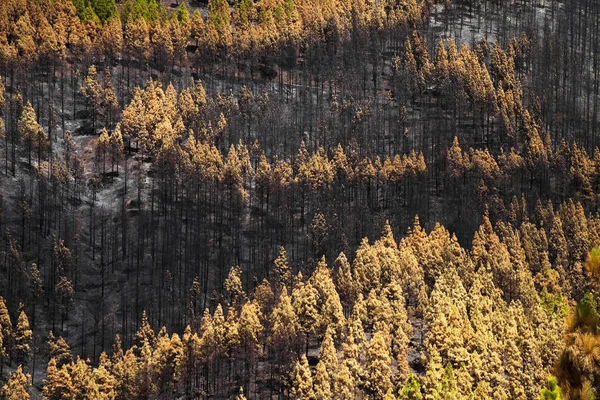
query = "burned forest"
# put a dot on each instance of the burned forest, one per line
(299, 199)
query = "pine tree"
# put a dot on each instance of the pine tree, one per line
(218, 337)
(233, 286)
(219, 24)
(232, 333)
(59, 350)
(559, 253)
(116, 146)
(388, 254)
(104, 9)
(592, 264)
(110, 40)
(284, 331)
(440, 62)
(109, 102)
(137, 40)
(104, 380)
(319, 233)
(551, 391)
(102, 149)
(411, 389)
(327, 367)
(432, 383)
(354, 349)
(207, 337)
(456, 161)
(133, 116)
(378, 368)
(190, 362)
(23, 339)
(167, 358)
(25, 32)
(322, 382)
(145, 382)
(244, 14)
(35, 287)
(265, 300)
(30, 130)
(328, 301)
(482, 391)
(366, 268)
(305, 301)
(536, 156)
(5, 323)
(180, 33)
(282, 272)
(240, 395)
(449, 385)
(344, 387)
(514, 364)
(64, 296)
(57, 383)
(3, 348)
(263, 178)
(197, 27)
(344, 281)
(17, 387)
(145, 333)
(400, 325)
(49, 48)
(317, 174)
(92, 91)
(302, 383)
(161, 42)
(82, 379)
(125, 369)
(581, 344)
(251, 330)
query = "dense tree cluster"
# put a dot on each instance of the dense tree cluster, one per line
(475, 321)
(250, 28)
